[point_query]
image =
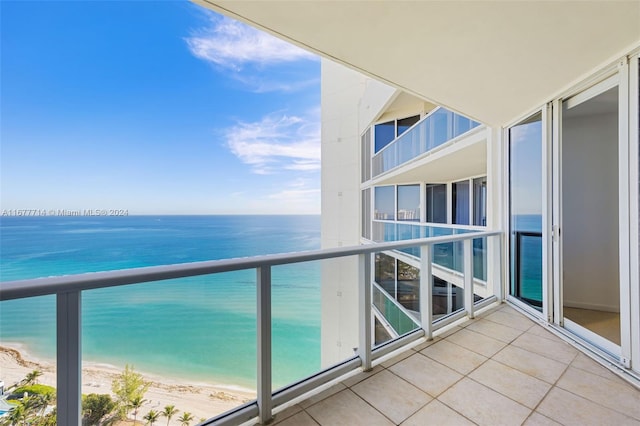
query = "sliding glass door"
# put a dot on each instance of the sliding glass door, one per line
(592, 173)
(526, 210)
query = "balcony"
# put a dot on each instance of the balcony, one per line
(436, 129)
(500, 368)
(466, 369)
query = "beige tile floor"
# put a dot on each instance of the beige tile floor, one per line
(498, 369)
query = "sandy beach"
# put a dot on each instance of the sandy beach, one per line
(201, 400)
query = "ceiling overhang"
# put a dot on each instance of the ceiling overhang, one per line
(491, 60)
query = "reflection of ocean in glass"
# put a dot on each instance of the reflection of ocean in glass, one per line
(447, 255)
(199, 328)
(525, 195)
(530, 247)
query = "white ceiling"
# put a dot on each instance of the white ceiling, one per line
(491, 60)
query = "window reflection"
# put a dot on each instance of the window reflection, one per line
(409, 203)
(436, 203)
(384, 133)
(461, 203)
(385, 203)
(525, 188)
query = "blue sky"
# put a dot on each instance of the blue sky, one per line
(155, 107)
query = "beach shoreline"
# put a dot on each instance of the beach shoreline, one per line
(200, 399)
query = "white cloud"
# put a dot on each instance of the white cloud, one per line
(276, 82)
(232, 44)
(277, 142)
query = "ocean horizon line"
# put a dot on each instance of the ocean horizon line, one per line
(94, 216)
(193, 328)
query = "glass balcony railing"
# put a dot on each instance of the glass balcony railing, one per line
(440, 126)
(397, 317)
(256, 291)
(527, 268)
(446, 255)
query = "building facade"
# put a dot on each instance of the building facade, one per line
(561, 182)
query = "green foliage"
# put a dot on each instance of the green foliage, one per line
(35, 390)
(32, 378)
(128, 386)
(186, 418)
(169, 411)
(30, 411)
(152, 417)
(135, 404)
(16, 416)
(48, 420)
(95, 407)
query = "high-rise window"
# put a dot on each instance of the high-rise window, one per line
(365, 161)
(385, 273)
(480, 201)
(384, 133)
(460, 212)
(408, 286)
(385, 203)
(436, 203)
(405, 123)
(409, 203)
(366, 213)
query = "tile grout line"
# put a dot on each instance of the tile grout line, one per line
(475, 352)
(401, 378)
(553, 385)
(589, 399)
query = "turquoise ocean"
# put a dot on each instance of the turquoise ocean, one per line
(199, 329)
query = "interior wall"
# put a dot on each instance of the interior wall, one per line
(590, 211)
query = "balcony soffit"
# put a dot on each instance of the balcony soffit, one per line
(404, 105)
(459, 161)
(491, 61)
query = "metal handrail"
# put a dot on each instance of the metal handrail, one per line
(68, 291)
(433, 225)
(90, 281)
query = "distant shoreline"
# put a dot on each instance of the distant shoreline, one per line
(201, 400)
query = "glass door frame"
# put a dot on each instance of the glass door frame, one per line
(615, 75)
(546, 207)
(634, 206)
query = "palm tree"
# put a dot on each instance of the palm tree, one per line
(135, 405)
(186, 418)
(169, 411)
(17, 416)
(44, 400)
(151, 417)
(31, 405)
(32, 378)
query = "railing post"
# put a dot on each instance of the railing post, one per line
(495, 243)
(263, 284)
(468, 276)
(364, 306)
(69, 357)
(426, 291)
